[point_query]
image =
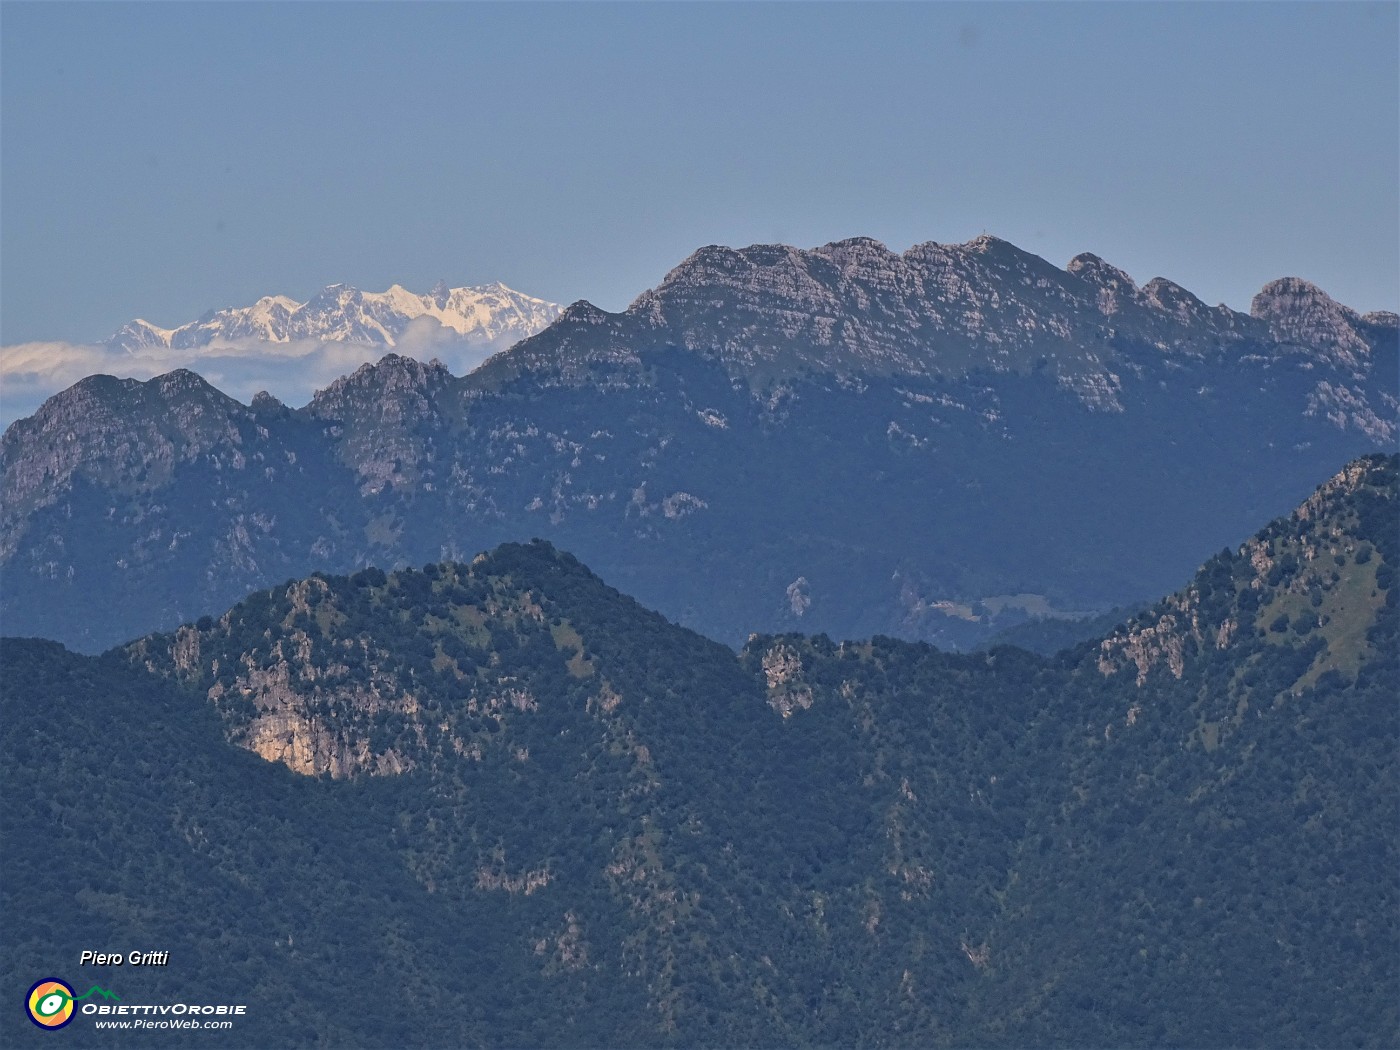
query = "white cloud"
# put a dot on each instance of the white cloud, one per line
(30, 373)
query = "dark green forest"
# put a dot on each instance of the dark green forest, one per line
(501, 804)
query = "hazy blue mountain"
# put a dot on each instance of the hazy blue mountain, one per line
(934, 445)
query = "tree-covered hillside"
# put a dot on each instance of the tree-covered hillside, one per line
(506, 801)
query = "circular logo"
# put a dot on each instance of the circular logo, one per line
(50, 1003)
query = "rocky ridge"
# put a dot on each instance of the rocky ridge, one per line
(855, 307)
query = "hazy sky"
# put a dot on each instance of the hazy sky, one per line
(163, 159)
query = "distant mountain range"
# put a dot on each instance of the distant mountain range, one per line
(502, 799)
(489, 313)
(934, 445)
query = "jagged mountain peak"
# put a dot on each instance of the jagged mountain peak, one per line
(870, 243)
(491, 313)
(584, 312)
(264, 402)
(385, 417)
(1286, 299)
(1300, 313)
(183, 381)
(717, 259)
(853, 252)
(140, 334)
(391, 373)
(1164, 293)
(987, 244)
(1283, 290)
(1092, 268)
(338, 290)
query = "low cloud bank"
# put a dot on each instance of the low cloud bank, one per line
(30, 373)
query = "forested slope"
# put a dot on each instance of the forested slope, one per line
(505, 801)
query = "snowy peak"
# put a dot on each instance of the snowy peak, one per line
(140, 335)
(488, 314)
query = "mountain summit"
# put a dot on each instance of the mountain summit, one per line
(489, 313)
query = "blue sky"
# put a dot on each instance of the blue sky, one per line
(160, 160)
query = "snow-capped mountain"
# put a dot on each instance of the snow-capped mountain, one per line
(487, 314)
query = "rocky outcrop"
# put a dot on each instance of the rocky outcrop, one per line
(1300, 313)
(314, 687)
(782, 670)
(385, 418)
